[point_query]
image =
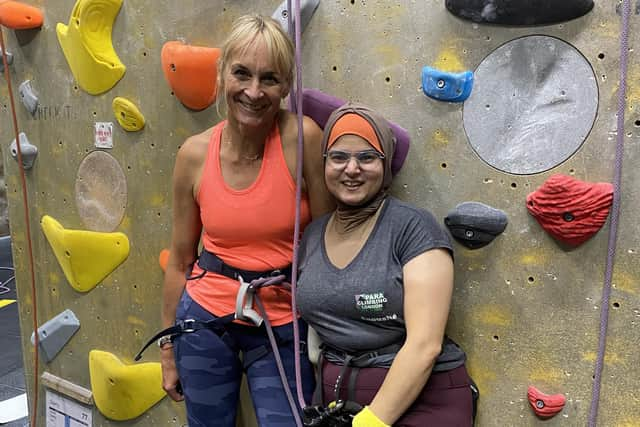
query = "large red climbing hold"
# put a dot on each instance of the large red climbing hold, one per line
(545, 405)
(19, 16)
(571, 210)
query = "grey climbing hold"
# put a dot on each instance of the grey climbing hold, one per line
(475, 224)
(29, 151)
(9, 60)
(307, 9)
(29, 96)
(56, 333)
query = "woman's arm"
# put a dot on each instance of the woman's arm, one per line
(185, 235)
(428, 285)
(313, 170)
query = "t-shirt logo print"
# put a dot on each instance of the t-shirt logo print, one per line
(370, 303)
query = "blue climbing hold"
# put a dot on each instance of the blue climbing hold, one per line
(443, 86)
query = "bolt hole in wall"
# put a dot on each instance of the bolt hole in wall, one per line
(616, 305)
(531, 279)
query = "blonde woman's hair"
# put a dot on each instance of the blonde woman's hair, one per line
(243, 32)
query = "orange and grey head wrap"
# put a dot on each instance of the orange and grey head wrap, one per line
(357, 119)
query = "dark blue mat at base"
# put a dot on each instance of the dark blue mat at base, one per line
(10, 345)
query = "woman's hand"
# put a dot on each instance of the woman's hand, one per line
(170, 380)
(366, 418)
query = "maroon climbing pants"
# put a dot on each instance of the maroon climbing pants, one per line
(445, 401)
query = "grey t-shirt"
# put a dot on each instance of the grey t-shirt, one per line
(360, 307)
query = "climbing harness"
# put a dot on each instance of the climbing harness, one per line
(348, 361)
(245, 299)
(451, 358)
(615, 213)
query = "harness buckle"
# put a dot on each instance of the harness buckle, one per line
(187, 326)
(244, 303)
(275, 273)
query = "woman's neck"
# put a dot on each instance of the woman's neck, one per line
(244, 143)
(348, 218)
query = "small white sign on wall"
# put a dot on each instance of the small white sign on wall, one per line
(63, 412)
(103, 132)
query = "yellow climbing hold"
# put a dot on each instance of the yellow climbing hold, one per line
(6, 302)
(86, 43)
(86, 257)
(123, 392)
(127, 114)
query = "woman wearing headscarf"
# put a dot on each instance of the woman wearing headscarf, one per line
(376, 279)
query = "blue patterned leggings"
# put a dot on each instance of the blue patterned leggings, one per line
(210, 370)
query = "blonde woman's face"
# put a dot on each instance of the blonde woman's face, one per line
(253, 87)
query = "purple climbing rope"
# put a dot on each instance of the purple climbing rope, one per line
(296, 232)
(615, 214)
(290, 100)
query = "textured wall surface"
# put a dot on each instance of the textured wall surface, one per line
(526, 309)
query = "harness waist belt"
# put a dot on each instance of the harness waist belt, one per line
(188, 326)
(209, 261)
(359, 359)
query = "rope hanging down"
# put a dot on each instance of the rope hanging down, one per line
(27, 216)
(300, 160)
(615, 214)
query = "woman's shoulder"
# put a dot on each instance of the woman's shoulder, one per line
(402, 216)
(317, 225)
(289, 126)
(194, 149)
(406, 211)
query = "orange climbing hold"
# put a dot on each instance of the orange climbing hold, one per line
(19, 16)
(163, 259)
(191, 71)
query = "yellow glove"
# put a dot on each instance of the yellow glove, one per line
(366, 418)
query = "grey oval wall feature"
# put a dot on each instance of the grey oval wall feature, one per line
(525, 93)
(101, 192)
(475, 224)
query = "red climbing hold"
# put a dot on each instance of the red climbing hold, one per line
(571, 210)
(191, 72)
(19, 16)
(545, 405)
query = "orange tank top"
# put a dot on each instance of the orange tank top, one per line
(251, 229)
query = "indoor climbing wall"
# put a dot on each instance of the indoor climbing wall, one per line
(497, 107)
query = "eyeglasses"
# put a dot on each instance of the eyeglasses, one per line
(340, 159)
